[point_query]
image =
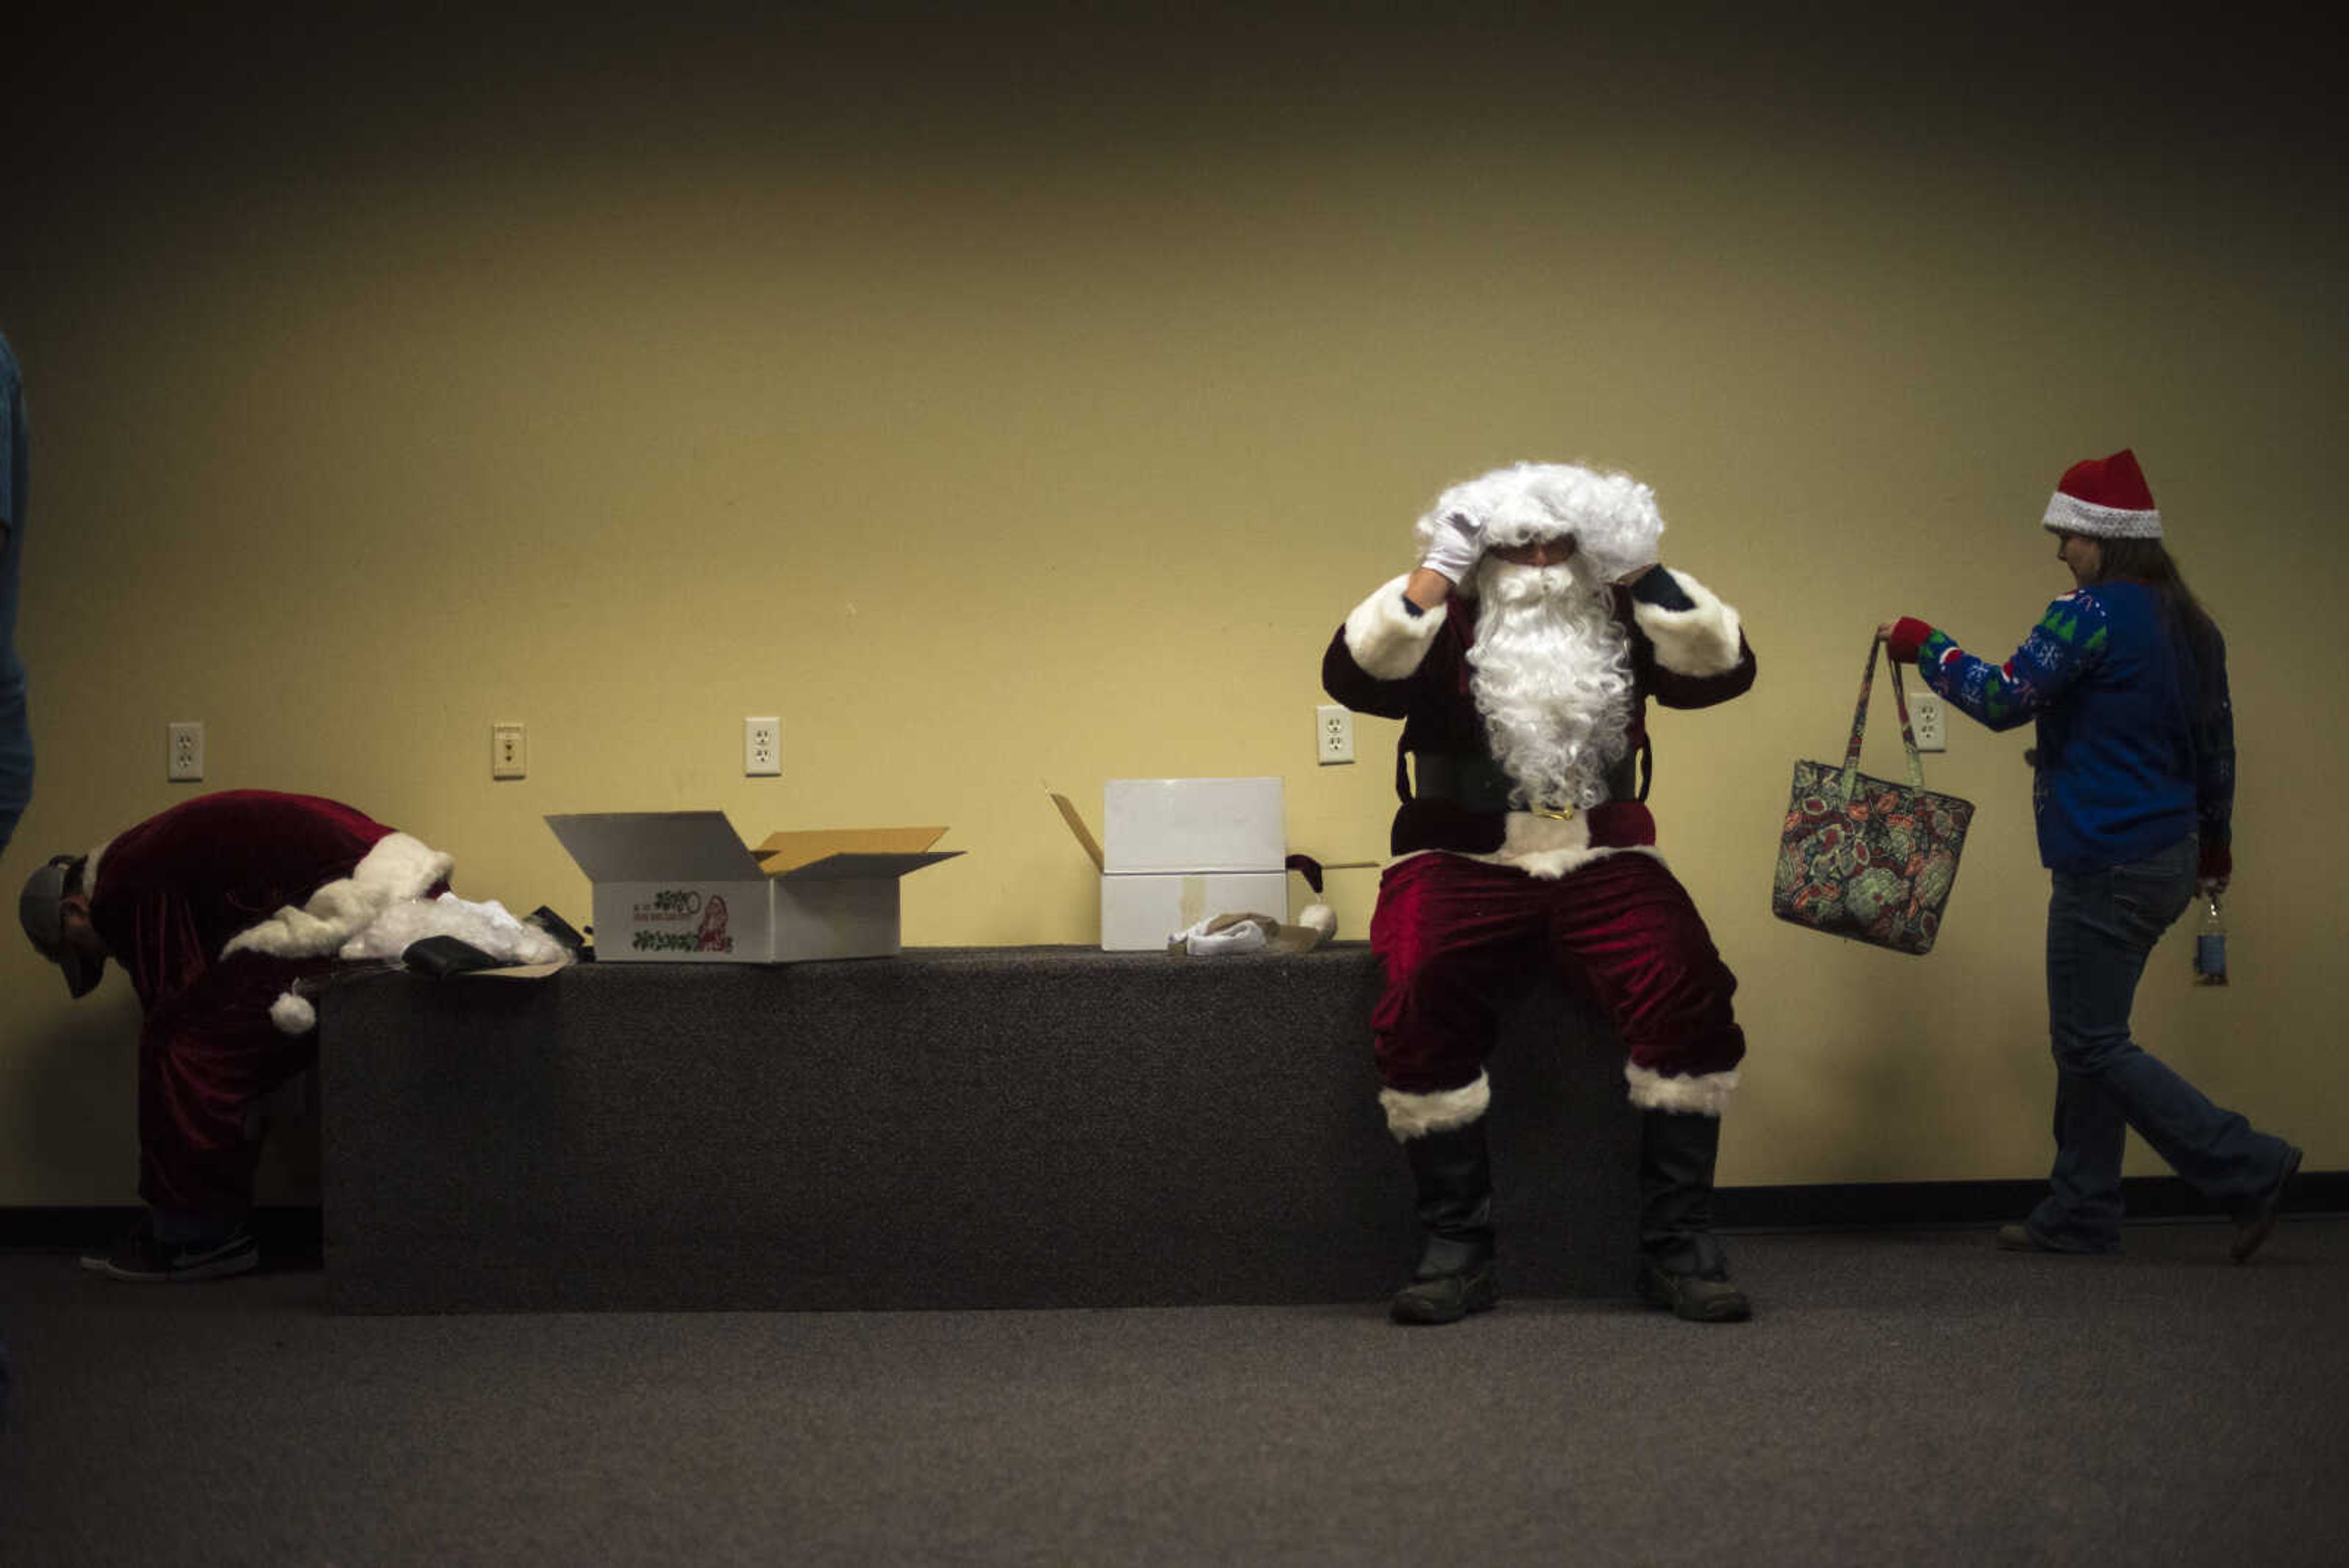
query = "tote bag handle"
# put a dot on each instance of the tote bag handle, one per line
(1849, 780)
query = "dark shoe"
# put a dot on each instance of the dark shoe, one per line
(144, 1257)
(2020, 1237)
(1694, 1297)
(1447, 1298)
(1677, 1152)
(1453, 1176)
(2252, 1226)
(2017, 1237)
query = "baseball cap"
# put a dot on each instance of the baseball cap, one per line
(41, 908)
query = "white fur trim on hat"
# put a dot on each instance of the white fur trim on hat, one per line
(1386, 640)
(397, 867)
(293, 1014)
(1699, 1094)
(1705, 639)
(1416, 1115)
(2070, 515)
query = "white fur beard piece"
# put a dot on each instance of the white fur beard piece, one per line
(1552, 678)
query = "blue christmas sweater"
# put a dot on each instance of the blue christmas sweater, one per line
(2123, 768)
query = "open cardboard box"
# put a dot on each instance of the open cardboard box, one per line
(682, 886)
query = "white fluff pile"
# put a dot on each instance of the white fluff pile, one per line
(407, 921)
(487, 926)
(1611, 517)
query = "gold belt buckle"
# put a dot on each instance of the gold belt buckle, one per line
(1556, 813)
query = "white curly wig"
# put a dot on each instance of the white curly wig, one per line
(1611, 517)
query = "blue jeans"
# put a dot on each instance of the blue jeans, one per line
(2101, 925)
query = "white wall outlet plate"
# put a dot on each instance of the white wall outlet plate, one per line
(183, 753)
(1333, 734)
(509, 751)
(762, 747)
(1928, 720)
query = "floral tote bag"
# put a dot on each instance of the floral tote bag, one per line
(1864, 857)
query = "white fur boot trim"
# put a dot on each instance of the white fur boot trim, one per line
(1703, 640)
(1386, 640)
(397, 867)
(1415, 1115)
(292, 1015)
(1702, 1093)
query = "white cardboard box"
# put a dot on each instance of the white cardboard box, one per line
(680, 886)
(1193, 824)
(1174, 832)
(1140, 911)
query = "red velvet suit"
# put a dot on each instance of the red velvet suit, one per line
(1467, 913)
(169, 894)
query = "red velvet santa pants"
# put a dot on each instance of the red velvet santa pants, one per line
(1460, 938)
(206, 1054)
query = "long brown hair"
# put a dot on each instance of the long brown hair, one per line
(2190, 628)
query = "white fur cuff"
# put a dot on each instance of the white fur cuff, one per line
(1415, 1115)
(1702, 1094)
(1702, 640)
(1386, 640)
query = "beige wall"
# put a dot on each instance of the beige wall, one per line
(1008, 406)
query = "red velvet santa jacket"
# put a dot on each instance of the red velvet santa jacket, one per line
(288, 876)
(1387, 661)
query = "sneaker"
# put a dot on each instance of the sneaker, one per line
(1447, 1298)
(2252, 1226)
(2022, 1238)
(146, 1259)
(1693, 1297)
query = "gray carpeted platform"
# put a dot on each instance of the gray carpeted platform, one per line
(954, 1128)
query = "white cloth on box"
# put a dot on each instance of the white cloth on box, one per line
(1248, 933)
(1243, 936)
(487, 926)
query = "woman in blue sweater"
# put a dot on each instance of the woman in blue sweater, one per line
(2134, 791)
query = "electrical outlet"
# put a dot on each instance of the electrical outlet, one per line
(1926, 719)
(1333, 734)
(183, 755)
(762, 747)
(509, 751)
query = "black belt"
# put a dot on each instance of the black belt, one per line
(1478, 783)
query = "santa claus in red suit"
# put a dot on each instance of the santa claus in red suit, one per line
(218, 910)
(1521, 655)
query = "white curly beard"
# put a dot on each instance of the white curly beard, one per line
(1552, 677)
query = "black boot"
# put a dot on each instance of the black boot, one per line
(1681, 1265)
(1455, 1276)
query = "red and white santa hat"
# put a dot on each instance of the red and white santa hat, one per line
(2104, 498)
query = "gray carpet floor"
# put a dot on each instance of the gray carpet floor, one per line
(1902, 1397)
